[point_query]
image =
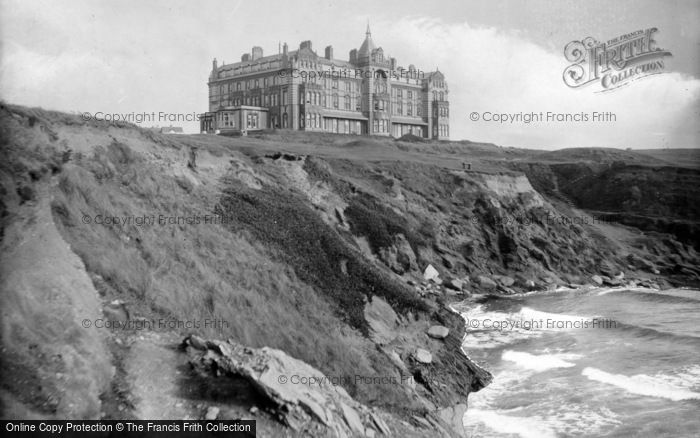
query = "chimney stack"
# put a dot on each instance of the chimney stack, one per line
(257, 53)
(329, 53)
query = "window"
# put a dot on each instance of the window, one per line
(335, 101)
(347, 102)
(257, 84)
(252, 121)
(334, 84)
(410, 94)
(409, 109)
(238, 86)
(419, 111)
(348, 87)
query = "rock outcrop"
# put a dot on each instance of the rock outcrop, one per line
(302, 396)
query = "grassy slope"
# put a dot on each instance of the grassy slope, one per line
(276, 271)
(242, 272)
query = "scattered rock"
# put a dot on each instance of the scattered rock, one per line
(430, 273)
(212, 413)
(253, 410)
(597, 280)
(438, 332)
(423, 356)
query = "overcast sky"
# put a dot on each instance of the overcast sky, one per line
(498, 56)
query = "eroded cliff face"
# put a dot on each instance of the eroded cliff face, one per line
(653, 196)
(317, 253)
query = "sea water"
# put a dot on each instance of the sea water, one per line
(587, 362)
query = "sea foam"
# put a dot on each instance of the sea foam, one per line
(535, 362)
(642, 384)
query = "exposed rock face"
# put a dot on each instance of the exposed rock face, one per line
(298, 405)
(382, 320)
(399, 257)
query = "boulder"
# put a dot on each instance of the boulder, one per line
(486, 283)
(438, 332)
(430, 273)
(197, 342)
(423, 356)
(212, 413)
(504, 280)
(454, 284)
(597, 280)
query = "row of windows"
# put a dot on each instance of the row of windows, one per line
(380, 125)
(442, 130)
(267, 100)
(228, 120)
(313, 120)
(319, 99)
(410, 106)
(439, 95)
(441, 111)
(250, 84)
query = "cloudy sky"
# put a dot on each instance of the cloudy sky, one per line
(498, 56)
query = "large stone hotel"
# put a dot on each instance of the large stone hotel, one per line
(370, 94)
